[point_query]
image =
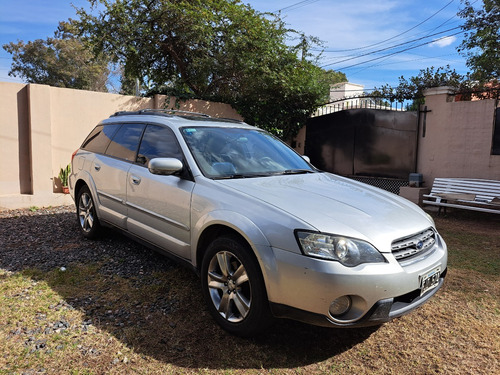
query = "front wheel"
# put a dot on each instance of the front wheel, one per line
(233, 287)
(86, 214)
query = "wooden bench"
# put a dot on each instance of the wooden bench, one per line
(466, 193)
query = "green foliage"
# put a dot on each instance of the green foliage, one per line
(481, 44)
(282, 103)
(413, 88)
(62, 61)
(215, 50)
(331, 77)
(64, 174)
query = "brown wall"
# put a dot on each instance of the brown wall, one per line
(458, 138)
(41, 126)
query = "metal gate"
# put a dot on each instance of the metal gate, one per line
(364, 142)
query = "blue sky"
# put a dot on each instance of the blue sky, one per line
(348, 29)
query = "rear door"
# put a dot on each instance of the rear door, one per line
(159, 206)
(109, 171)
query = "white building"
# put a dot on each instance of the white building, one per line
(348, 95)
(345, 90)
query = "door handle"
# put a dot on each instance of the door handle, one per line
(135, 180)
(97, 167)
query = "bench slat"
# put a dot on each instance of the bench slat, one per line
(462, 189)
(493, 211)
(468, 184)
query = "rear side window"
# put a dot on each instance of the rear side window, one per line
(125, 142)
(98, 140)
(158, 142)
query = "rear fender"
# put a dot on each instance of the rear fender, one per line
(85, 177)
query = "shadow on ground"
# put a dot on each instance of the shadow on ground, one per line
(149, 303)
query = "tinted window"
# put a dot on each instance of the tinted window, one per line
(126, 141)
(98, 140)
(158, 142)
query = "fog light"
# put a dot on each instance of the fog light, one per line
(340, 306)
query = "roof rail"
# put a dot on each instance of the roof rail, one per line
(161, 112)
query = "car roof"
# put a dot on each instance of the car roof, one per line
(174, 118)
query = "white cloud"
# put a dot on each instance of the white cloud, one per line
(443, 42)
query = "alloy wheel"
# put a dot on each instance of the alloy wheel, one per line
(86, 212)
(229, 286)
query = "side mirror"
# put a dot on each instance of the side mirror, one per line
(306, 158)
(164, 166)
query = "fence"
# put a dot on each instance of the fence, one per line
(358, 103)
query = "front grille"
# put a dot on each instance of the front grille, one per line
(413, 245)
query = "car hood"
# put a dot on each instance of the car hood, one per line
(338, 205)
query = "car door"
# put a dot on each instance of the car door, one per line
(109, 171)
(159, 206)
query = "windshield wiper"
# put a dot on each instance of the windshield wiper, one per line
(240, 175)
(297, 171)
(252, 175)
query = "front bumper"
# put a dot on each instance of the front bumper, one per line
(383, 311)
(303, 288)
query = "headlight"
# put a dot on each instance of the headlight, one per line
(348, 251)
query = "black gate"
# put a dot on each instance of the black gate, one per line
(364, 142)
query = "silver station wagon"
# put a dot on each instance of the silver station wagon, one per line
(269, 234)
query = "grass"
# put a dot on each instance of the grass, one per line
(84, 321)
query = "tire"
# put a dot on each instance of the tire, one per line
(233, 287)
(88, 222)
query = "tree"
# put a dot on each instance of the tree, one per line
(215, 50)
(413, 88)
(62, 61)
(481, 44)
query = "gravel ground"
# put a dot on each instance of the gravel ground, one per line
(49, 238)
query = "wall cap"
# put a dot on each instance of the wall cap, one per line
(447, 90)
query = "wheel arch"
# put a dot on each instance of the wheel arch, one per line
(210, 234)
(85, 179)
(227, 223)
(79, 184)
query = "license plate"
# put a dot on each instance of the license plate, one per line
(429, 280)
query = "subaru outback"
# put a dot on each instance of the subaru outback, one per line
(268, 233)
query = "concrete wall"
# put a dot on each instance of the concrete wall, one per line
(41, 126)
(458, 138)
(15, 166)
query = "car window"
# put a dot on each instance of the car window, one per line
(125, 142)
(98, 140)
(158, 142)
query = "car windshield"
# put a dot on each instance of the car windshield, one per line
(241, 153)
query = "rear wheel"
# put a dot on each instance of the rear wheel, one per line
(86, 214)
(233, 287)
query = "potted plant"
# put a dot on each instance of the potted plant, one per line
(63, 176)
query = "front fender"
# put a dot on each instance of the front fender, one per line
(247, 229)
